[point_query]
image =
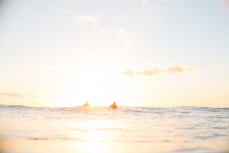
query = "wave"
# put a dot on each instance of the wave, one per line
(125, 109)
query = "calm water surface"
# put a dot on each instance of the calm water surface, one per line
(125, 130)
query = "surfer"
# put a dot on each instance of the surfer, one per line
(113, 106)
(86, 104)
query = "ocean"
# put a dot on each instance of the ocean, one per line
(103, 130)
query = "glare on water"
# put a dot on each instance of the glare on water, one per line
(126, 130)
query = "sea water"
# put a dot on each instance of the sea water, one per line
(103, 130)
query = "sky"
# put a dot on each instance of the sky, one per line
(153, 53)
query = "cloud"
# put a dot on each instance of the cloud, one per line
(128, 73)
(175, 69)
(15, 95)
(144, 2)
(150, 72)
(122, 34)
(64, 11)
(157, 71)
(87, 19)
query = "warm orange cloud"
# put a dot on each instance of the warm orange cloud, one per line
(86, 19)
(150, 72)
(175, 69)
(157, 71)
(128, 73)
(15, 95)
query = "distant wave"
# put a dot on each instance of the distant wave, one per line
(181, 109)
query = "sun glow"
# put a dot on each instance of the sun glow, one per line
(94, 145)
(96, 138)
(98, 84)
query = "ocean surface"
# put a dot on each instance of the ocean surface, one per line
(103, 130)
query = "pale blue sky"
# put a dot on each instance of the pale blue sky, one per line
(50, 44)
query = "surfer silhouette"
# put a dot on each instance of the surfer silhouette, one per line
(86, 104)
(113, 106)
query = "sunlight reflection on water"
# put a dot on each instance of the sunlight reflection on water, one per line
(95, 137)
(126, 130)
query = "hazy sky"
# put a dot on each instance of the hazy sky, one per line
(135, 52)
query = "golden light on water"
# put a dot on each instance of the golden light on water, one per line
(95, 145)
(95, 139)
